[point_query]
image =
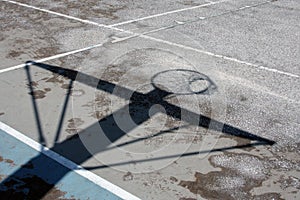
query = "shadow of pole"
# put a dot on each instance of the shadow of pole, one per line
(35, 107)
(65, 105)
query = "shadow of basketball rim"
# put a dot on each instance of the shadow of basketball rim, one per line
(73, 148)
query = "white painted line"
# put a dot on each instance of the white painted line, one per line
(167, 13)
(163, 41)
(221, 56)
(254, 86)
(67, 163)
(54, 13)
(50, 58)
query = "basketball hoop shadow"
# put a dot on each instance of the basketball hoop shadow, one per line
(73, 148)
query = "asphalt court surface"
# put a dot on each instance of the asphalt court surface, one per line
(92, 97)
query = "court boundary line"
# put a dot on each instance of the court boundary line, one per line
(97, 180)
(158, 40)
(51, 58)
(167, 13)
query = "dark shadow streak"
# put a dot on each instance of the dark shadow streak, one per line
(175, 156)
(144, 138)
(155, 97)
(35, 108)
(74, 150)
(60, 123)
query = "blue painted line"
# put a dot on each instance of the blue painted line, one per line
(15, 153)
